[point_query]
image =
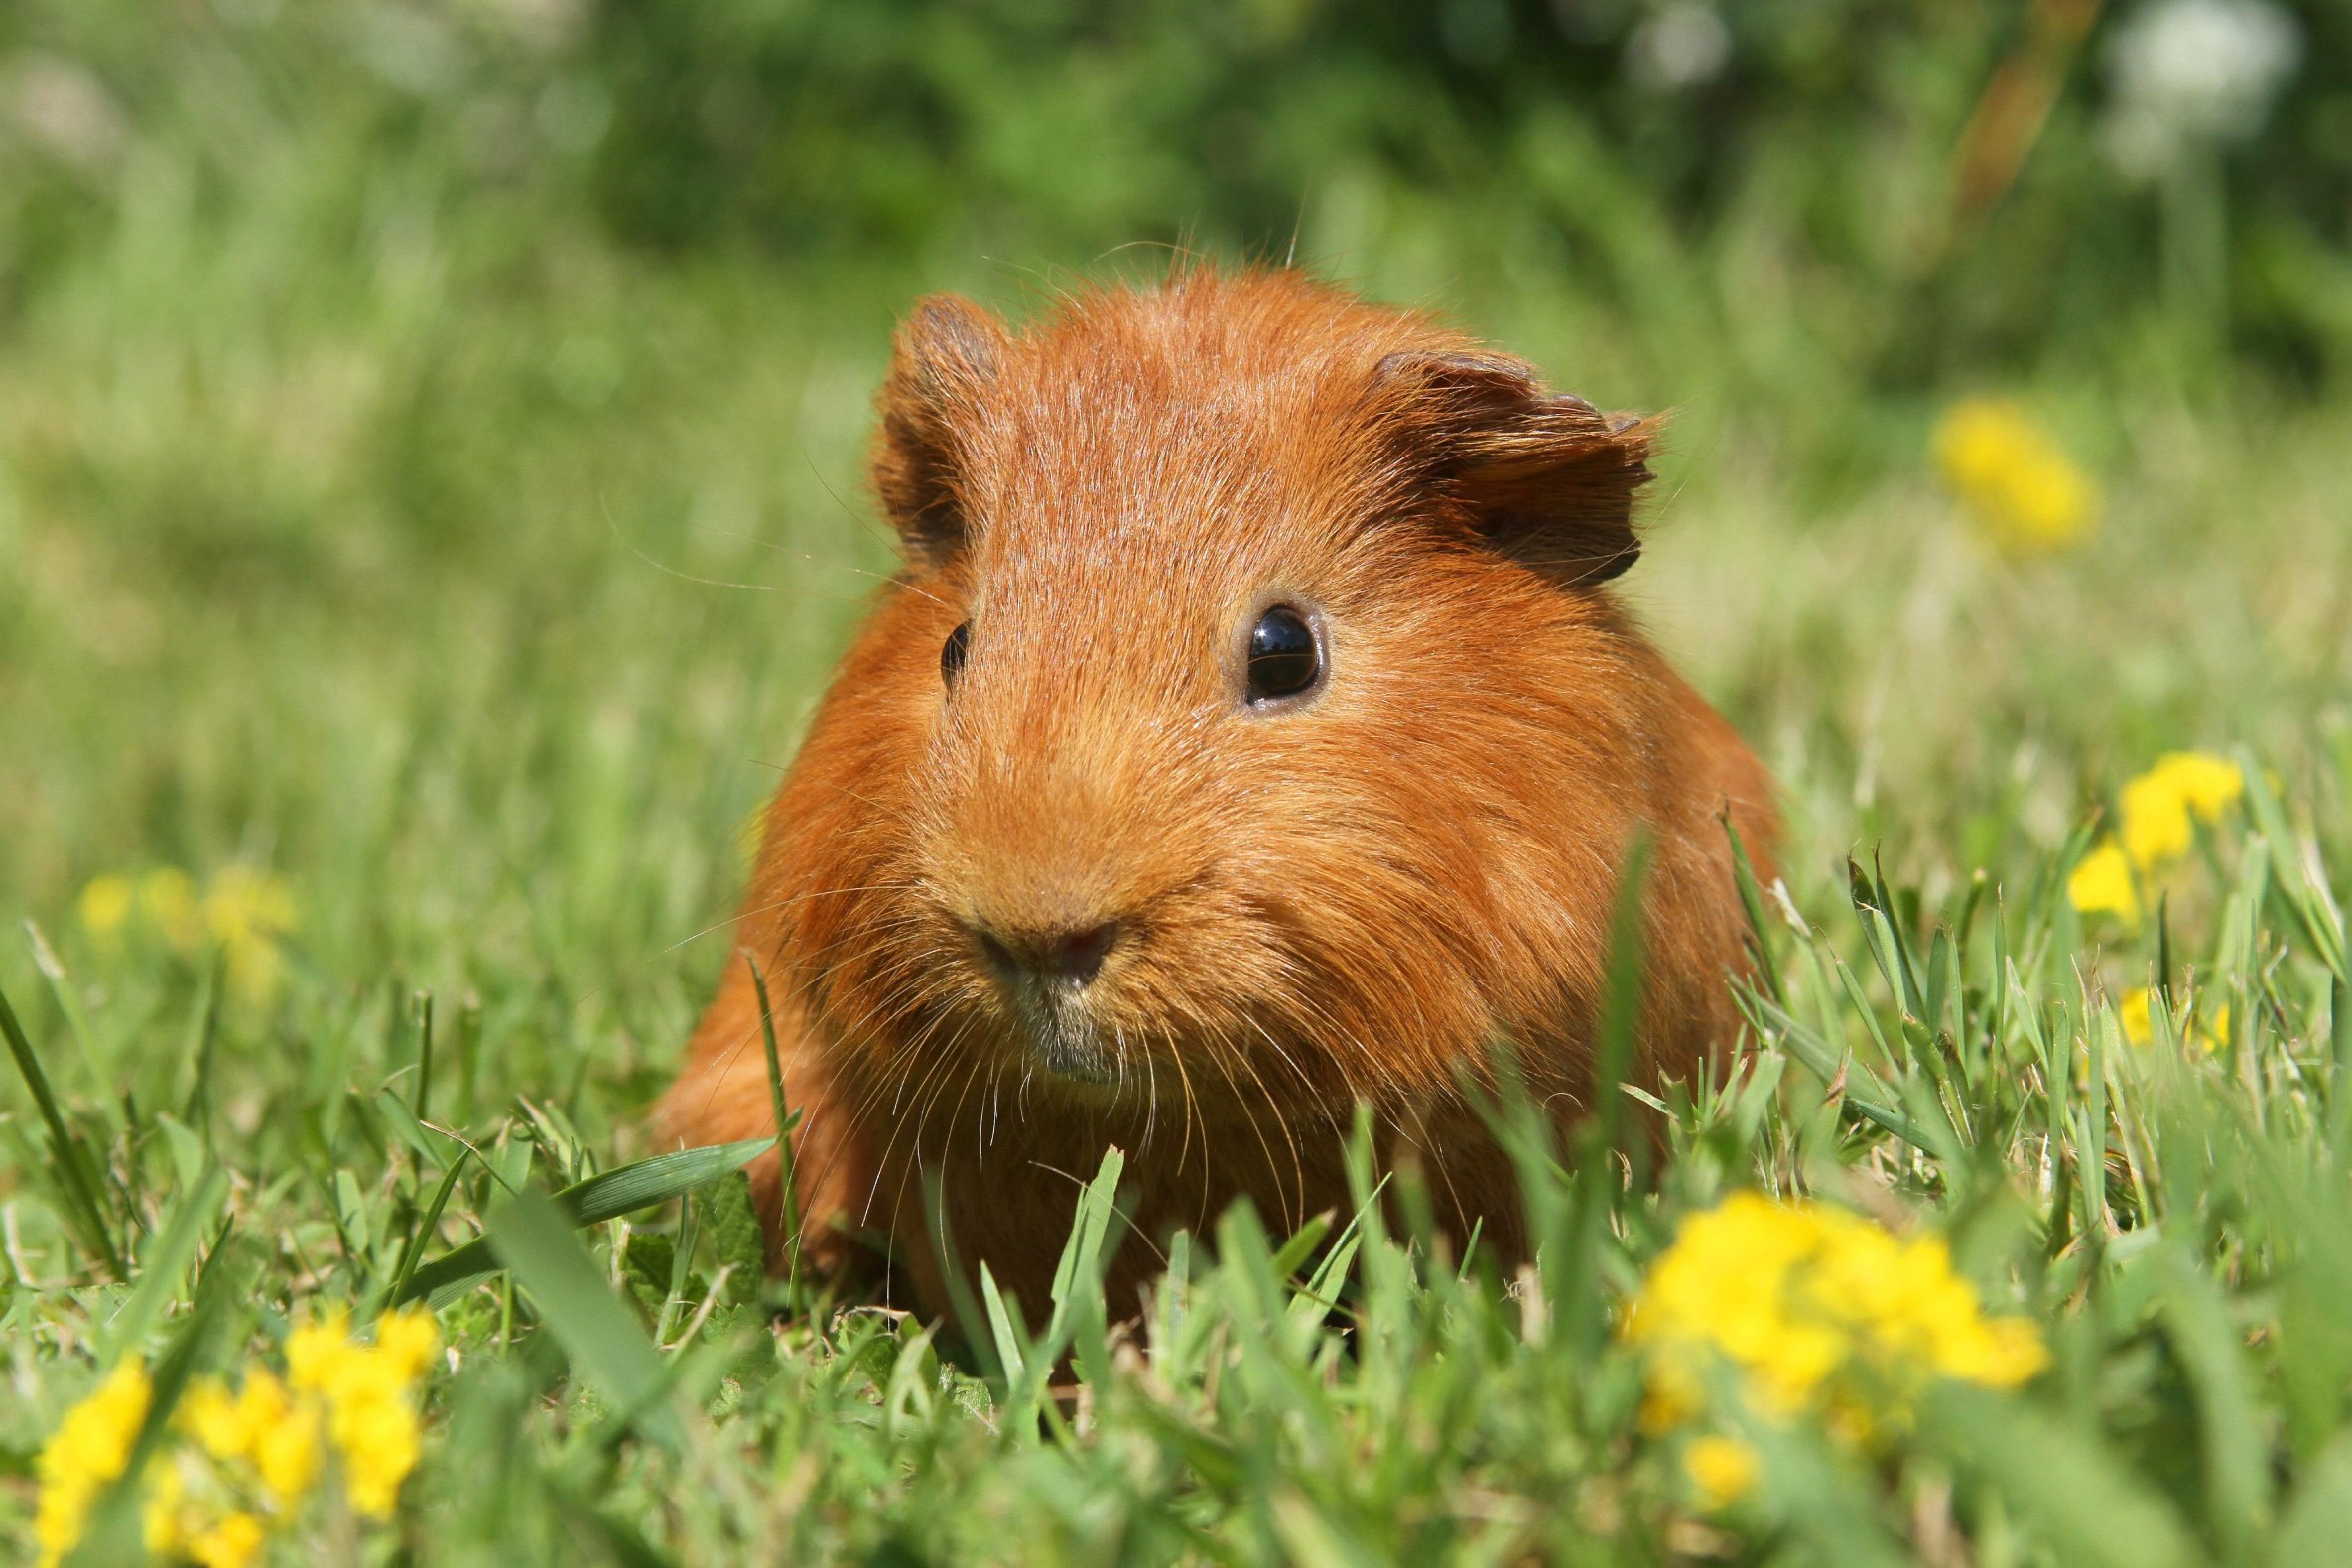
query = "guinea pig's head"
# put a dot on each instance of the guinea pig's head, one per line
(1249, 716)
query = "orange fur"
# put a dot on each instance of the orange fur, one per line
(1342, 900)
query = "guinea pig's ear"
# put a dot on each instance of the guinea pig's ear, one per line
(942, 361)
(1546, 478)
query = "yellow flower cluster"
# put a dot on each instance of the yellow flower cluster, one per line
(1722, 1470)
(1813, 1311)
(365, 1391)
(2159, 810)
(247, 1459)
(242, 911)
(83, 1456)
(2028, 496)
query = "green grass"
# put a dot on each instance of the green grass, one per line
(354, 536)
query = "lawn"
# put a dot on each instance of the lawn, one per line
(406, 590)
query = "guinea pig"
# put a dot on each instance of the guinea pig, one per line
(1251, 733)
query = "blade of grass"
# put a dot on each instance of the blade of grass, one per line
(1571, 1262)
(787, 1175)
(961, 1304)
(1752, 901)
(423, 1100)
(163, 1265)
(2299, 884)
(60, 989)
(606, 1197)
(2236, 1454)
(71, 1162)
(197, 1109)
(422, 1231)
(470, 1045)
(534, 1238)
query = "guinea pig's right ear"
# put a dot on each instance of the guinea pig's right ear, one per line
(1545, 477)
(945, 355)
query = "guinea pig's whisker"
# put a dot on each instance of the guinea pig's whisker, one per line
(1151, 1086)
(812, 893)
(943, 1060)
(1190, 1110)
(1297, 1071)
(898, 1127)
(740, 916)
(899, 1095)
(922, 1124)
(1221, 1056)
(903, 968)
(1289, 1129)
(1385, 1075)
(995, 1107)
(971, 1077)
(805, 556)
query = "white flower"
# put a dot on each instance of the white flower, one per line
(1683, 43)
(2185, 73)
(64, 109)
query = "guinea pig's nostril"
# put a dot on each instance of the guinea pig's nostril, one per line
(1000, 958)
(1070, 956)
(1075, 957)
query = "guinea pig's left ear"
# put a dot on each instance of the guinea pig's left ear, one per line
(1546, 478)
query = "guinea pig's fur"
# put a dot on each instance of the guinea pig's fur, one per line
(1237, 919)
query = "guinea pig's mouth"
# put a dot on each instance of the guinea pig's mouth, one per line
(1057, 1033)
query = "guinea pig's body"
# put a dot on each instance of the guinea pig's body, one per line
(1250, 735)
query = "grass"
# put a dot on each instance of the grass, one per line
(395, 562)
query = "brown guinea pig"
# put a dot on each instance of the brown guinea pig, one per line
(1251, 733)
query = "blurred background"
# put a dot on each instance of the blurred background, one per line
(430, 429)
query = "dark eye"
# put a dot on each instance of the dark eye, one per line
(952, 652)
(1284, 657)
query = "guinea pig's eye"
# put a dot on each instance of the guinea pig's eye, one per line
(952, 652)
(1285, 657)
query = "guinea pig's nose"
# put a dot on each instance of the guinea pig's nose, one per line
(1070, 956)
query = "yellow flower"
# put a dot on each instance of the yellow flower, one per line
(243, 904)
(167, 902)
(365, 1390)
(246, 911)
(1815, 1310)
(2160, 807)
(2027, 494)
(2102, 884)
(1722, 1470)
(88, 1450)
(262, 1426)
(406, 1340)
(161, 1524)
(105, 906)
(234, 1541)
(2133, 1013)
